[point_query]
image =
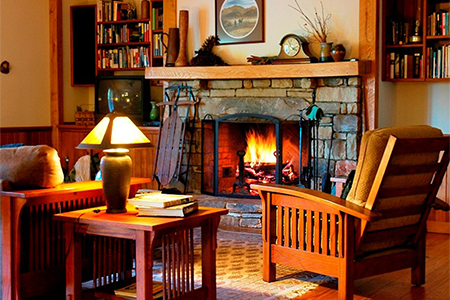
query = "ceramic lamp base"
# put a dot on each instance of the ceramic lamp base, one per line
(116, 176)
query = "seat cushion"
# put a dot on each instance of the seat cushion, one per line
(372, 148)
(33, 166)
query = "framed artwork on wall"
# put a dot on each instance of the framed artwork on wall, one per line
(240, 21)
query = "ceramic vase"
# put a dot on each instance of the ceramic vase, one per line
(325, 52)
(183, 24)
(173, 47)
(338, 52)
(116, 177)
(145, 9)
(154, 112)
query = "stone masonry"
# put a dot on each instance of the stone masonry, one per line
(339, 98)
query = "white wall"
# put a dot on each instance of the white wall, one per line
(24, 42)
(280, 19)
(413, 103)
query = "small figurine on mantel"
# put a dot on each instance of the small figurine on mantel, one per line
(205, 56)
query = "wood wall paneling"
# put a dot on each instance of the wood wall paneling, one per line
(143, 158)
(26, 135)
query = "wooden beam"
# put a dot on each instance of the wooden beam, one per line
(56, 67)
(368, 50)
(333, 69)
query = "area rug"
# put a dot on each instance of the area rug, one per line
(239, 271)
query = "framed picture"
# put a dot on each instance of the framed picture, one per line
(240, 21)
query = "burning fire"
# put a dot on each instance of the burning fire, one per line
(260, 161)
(260, 148)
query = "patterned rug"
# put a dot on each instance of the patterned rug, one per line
(239, 271)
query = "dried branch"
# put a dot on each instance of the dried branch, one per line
(317, 27)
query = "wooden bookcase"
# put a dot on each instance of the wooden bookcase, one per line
(128, 44)
(415, 53)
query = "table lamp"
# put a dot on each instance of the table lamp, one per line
(114, 133)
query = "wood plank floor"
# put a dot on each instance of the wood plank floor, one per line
(396, 285)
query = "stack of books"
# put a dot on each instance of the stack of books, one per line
(129, 291)
(164, 205)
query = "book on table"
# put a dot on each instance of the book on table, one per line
(159, 200)
(129, 291)
(180, 210)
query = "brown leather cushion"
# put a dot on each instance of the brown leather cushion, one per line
(372, 148)
(36, 166)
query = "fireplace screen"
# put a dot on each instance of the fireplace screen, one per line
(242, 149)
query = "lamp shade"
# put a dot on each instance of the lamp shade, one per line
(115, 130)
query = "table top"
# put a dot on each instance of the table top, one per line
(65, 188)
(130, 220)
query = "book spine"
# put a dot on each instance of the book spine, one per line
(392, 66)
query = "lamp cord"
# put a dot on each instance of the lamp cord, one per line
(71, 238)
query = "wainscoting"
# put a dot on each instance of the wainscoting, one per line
(26, 135)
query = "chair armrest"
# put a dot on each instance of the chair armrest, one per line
(320, 198)
(438, 204)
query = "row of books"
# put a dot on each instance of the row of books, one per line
(439, 61)
(111, 34)
(398, 32)
(157, 18)
(404, 65)
(123, 57)
(158, 49)
(437, 22)
(114, 10)
(156, 204)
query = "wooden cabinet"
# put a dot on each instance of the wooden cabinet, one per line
(415, 40)
(125, 42)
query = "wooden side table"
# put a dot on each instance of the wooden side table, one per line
(177, 240)
(33, 254)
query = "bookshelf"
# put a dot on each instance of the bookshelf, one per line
(125, 42)
(415, 40)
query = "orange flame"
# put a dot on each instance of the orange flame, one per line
(260, 148)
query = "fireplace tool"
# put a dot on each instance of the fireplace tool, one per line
(241, 181)
(309, 177)
(171, 139)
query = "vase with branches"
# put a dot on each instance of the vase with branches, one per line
(317, 28)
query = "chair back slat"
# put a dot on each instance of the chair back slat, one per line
(421, 145)
(405, 185)
(406, 170)
(404, 191)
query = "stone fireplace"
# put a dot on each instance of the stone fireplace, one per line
(284, 100)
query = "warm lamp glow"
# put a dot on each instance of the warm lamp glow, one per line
(115, 131)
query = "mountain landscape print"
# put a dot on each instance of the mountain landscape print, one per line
(239, 18)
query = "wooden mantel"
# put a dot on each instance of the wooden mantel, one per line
(334, 69)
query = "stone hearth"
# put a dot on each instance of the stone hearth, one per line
(338, 97)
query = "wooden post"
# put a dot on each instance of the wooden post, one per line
(56, 68)
(368, 51)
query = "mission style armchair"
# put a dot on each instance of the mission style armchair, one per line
(380, 228)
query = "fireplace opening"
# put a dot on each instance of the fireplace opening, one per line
(242, 149)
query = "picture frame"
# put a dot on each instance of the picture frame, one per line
(240, 21)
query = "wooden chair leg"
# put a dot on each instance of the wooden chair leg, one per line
(418, 268)
(269, 268)
(346, 261)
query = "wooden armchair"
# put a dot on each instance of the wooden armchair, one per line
(381, 226)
